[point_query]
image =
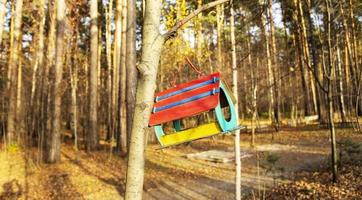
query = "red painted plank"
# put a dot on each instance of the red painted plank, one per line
(187, 94)
(184, 85)
(185, 110)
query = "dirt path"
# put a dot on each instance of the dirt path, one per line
(169, 174)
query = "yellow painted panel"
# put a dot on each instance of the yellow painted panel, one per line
(202, 131)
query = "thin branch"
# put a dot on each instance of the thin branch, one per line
(316, 78)
(178, 25)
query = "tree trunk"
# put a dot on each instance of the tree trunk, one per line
(73, 73)
(351, 47)
(151, 51)
(354, 44)
(109, 69)
(13, 65)
(330, 96)
(305, 85)
(46, 88)
(199, 36)
(35, 100)
(270, 73)
(92, 138)
(322, 85)
(131, 63)
(12, 27)
(352, 65)
(116, 69)
(2, 17)
(316, 65)
(254, 88)
(219, 25)
(53, 150)
(123, 82)
(275, 69)
(19, 109)
(40, 49)
(235, 92)
(342, 106)
(306, 54)
(119, 42)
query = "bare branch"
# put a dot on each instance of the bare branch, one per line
(178, 25)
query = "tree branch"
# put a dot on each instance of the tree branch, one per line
(178, 25)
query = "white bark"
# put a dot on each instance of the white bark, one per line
(93, 79)
(131, 62)
(54, 139)
(340, 86)
(235, 92)
(2, 17)
(13, 64)
(116, 64)
(219, 27)
(40, 51)
(19, 114)
(151, 51)
(109, 65)
(74, 88)
(123, 80)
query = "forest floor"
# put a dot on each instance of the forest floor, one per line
(294, 163)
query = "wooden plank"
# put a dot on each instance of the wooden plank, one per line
(187, 94)
(199, 132)
(184, 85)
(185, 110)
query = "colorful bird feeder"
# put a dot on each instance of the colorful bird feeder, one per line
(190, 99)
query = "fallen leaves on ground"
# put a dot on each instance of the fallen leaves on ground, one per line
(316, 185)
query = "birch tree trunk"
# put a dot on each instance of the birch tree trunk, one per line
(254, 88)
(109, 10)
(123, 82)
(316, 65)
(74, 88)
(20, 126)
(303, 74)
(151, 51)
(2, 17)
(53, 150)
(73, 73)
(276, 87)
(39, 62)
(116, 68)
(13, 65)
(40, 50)
(353, 33)
(306, 54)
(342, 106)
(46, 88)
(148, 67)
(330, 96)
(12, 27)
(219, 25)
(235, 92)
(92, 138)
(351, 62)
(270, 73)
(131, 69)
(199, 36)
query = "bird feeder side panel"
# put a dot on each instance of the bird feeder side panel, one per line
(186, 100)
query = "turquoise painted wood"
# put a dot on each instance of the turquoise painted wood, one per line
(223, 123)
(177, 125)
